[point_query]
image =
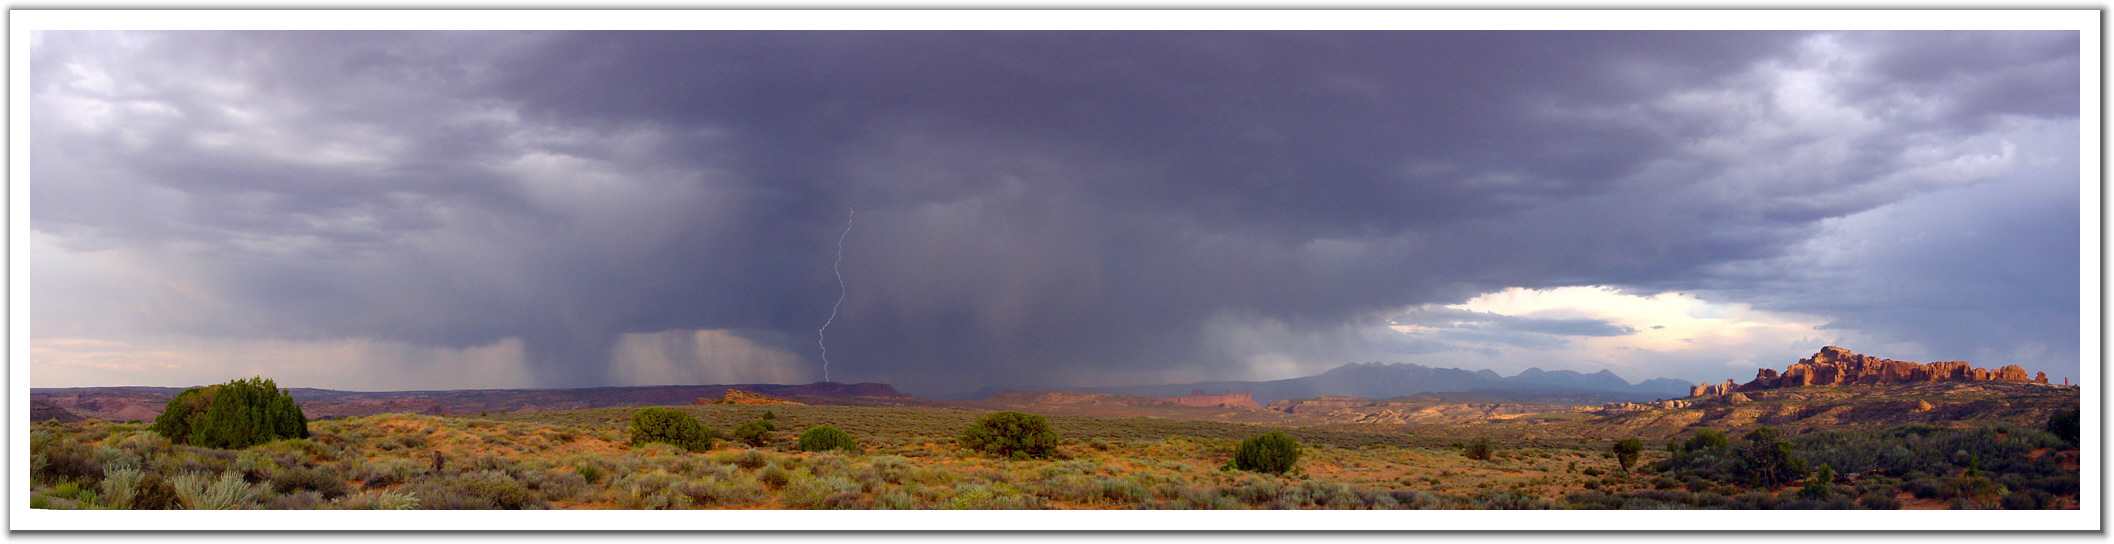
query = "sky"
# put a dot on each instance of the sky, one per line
(964, 209)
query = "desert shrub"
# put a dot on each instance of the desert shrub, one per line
(69, 460)
(1707, 439)
(155, 493)
(1272, 452)
(1008, 434)
(256, 466)
(755, 433)
(1121, 491)
(825, 438)
(2032, 499)
(377, 500)
(120, 485)
(660, 424)
(305, 500)
(749, 460)
(502, 490)
(555, 485)
(829, 463)
(824, 493)
(229, 492)
(1879, 501)
(894, 469)
(2064, 424)
(444, 495)
(989, 497)
(774, 476)
(65, 490)
(590, 472)
(726, 490)
(1627, 451)
(655, 490)
(387, 471)
(1315, 494)
(895, 499)
(323, 481)
(1479, 450)
(1768, 461)
(1821, 486)
(302, 447)
(1507, 500)
(233, 415)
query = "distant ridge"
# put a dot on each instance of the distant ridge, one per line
(1379, 381)
(144, 403)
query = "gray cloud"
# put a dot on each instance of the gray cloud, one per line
(1034, 207)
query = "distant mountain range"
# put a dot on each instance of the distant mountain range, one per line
(1379, 381)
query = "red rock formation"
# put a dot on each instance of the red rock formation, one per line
(1838, 366)
(737, 396)
(1713, 389)
(1233, 400)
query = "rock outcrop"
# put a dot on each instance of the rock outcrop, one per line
(1229, 400)
(737, 396)
(1837, 366)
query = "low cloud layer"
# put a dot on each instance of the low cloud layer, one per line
(1055, 208)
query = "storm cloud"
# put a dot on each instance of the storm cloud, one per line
(1036, 208)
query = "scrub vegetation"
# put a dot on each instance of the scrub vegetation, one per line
(907, 458)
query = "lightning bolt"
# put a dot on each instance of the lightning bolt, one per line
(835, 268)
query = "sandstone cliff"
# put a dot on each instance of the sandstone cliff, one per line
(1838, 366)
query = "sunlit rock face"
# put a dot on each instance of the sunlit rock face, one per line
(1838, 366)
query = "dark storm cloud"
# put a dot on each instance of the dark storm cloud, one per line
(1033, 207)
(1474, 326)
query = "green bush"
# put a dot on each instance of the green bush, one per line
(1626, 452)
(2063, 424)
(1768, 461)
(1821, 487)
(755, 433)
(1707, 439)
(327, 483)
(1479, 450)
(233, 415)
(1272, 452)
(155, 494)
(670, 426)
(825, 438)
(1011, 434)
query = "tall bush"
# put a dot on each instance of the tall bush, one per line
(825, 438)
(1011, 434)
(1479, 450)
(670, 426)
(1627, 451)
(233, 415)
(755, 433)
(2064, 424)
(1271, 452)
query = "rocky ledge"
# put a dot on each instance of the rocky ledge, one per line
(1838, 366)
